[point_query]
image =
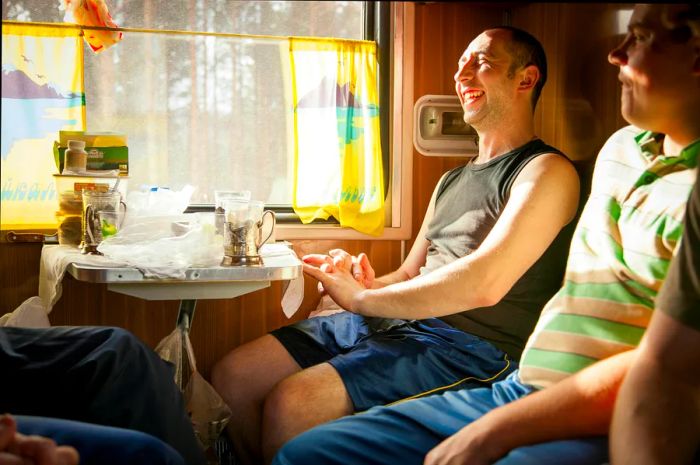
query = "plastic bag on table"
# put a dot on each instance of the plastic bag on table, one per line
(157, 202)
(208, 412)
(165, 246)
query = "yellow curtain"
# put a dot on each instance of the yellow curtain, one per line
(42, 93)
(338, 159)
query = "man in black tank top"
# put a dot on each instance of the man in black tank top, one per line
(456, 314)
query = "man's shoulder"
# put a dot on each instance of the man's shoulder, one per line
(542, 154)
(447, 178)
(545, 155)
(542, 147)
(621, 142)
(627, 134)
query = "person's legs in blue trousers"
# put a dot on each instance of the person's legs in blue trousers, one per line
(406, 432)
(97, 375)
(102, 445)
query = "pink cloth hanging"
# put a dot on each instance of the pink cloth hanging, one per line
(93, 13)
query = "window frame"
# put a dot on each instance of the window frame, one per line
(391, 25)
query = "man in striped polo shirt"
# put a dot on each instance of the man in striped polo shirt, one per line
(654, 420)
(557, 407)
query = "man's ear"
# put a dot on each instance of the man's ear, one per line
(529, 77)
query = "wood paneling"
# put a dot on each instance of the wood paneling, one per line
(19, 274)
(578, 110)
(580, 104)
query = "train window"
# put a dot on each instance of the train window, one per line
(198, 86)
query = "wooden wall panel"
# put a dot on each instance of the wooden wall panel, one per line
(580, 104)
(19, 274)
(579, 109)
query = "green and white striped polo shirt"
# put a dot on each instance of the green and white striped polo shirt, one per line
(618, 259)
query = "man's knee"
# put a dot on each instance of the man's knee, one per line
(119, 352)
(130, 351)
(288, 398)
(233, 372)
(121, 338)
(251, 370)
(309, 397)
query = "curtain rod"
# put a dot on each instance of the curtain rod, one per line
(173, 32)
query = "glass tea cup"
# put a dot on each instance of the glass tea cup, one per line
(221, 197)
(94, 203)
(236, 211)
(257, 214)
(242, 232)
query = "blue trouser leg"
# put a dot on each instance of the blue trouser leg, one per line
(404, 433)
(102, 445)
(584, 451)
(103, 376)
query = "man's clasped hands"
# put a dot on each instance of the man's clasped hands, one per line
(340, 274)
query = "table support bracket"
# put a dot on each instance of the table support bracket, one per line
(186, 314)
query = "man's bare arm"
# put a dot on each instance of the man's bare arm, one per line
(579, 406)
(359, 266)
(657, 415)
(543, 200)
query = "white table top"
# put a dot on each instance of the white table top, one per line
(214, 282)
(276, 267)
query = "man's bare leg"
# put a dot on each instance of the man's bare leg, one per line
(300, 402)
(243, 378)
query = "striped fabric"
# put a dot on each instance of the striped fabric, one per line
(618, 259)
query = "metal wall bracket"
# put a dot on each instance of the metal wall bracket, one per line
(30, 237)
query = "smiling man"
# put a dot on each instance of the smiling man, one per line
(458, 311)
(557, 407)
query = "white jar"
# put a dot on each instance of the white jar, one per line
(75, 159)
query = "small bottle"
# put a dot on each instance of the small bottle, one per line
(75, 157)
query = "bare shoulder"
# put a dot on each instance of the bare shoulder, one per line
(550, 181)
(550, 168)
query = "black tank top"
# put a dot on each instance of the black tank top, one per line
(467, 206)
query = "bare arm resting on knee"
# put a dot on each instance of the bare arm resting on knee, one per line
(581, 405)
(542, 201)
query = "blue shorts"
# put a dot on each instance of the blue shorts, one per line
(405, 433)
(382, 361)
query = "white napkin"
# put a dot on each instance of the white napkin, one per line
(293, 295)
(30, 314)
(294, 292)
(54, 262)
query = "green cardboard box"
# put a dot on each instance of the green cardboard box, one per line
(99, 158)
(106, 150)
